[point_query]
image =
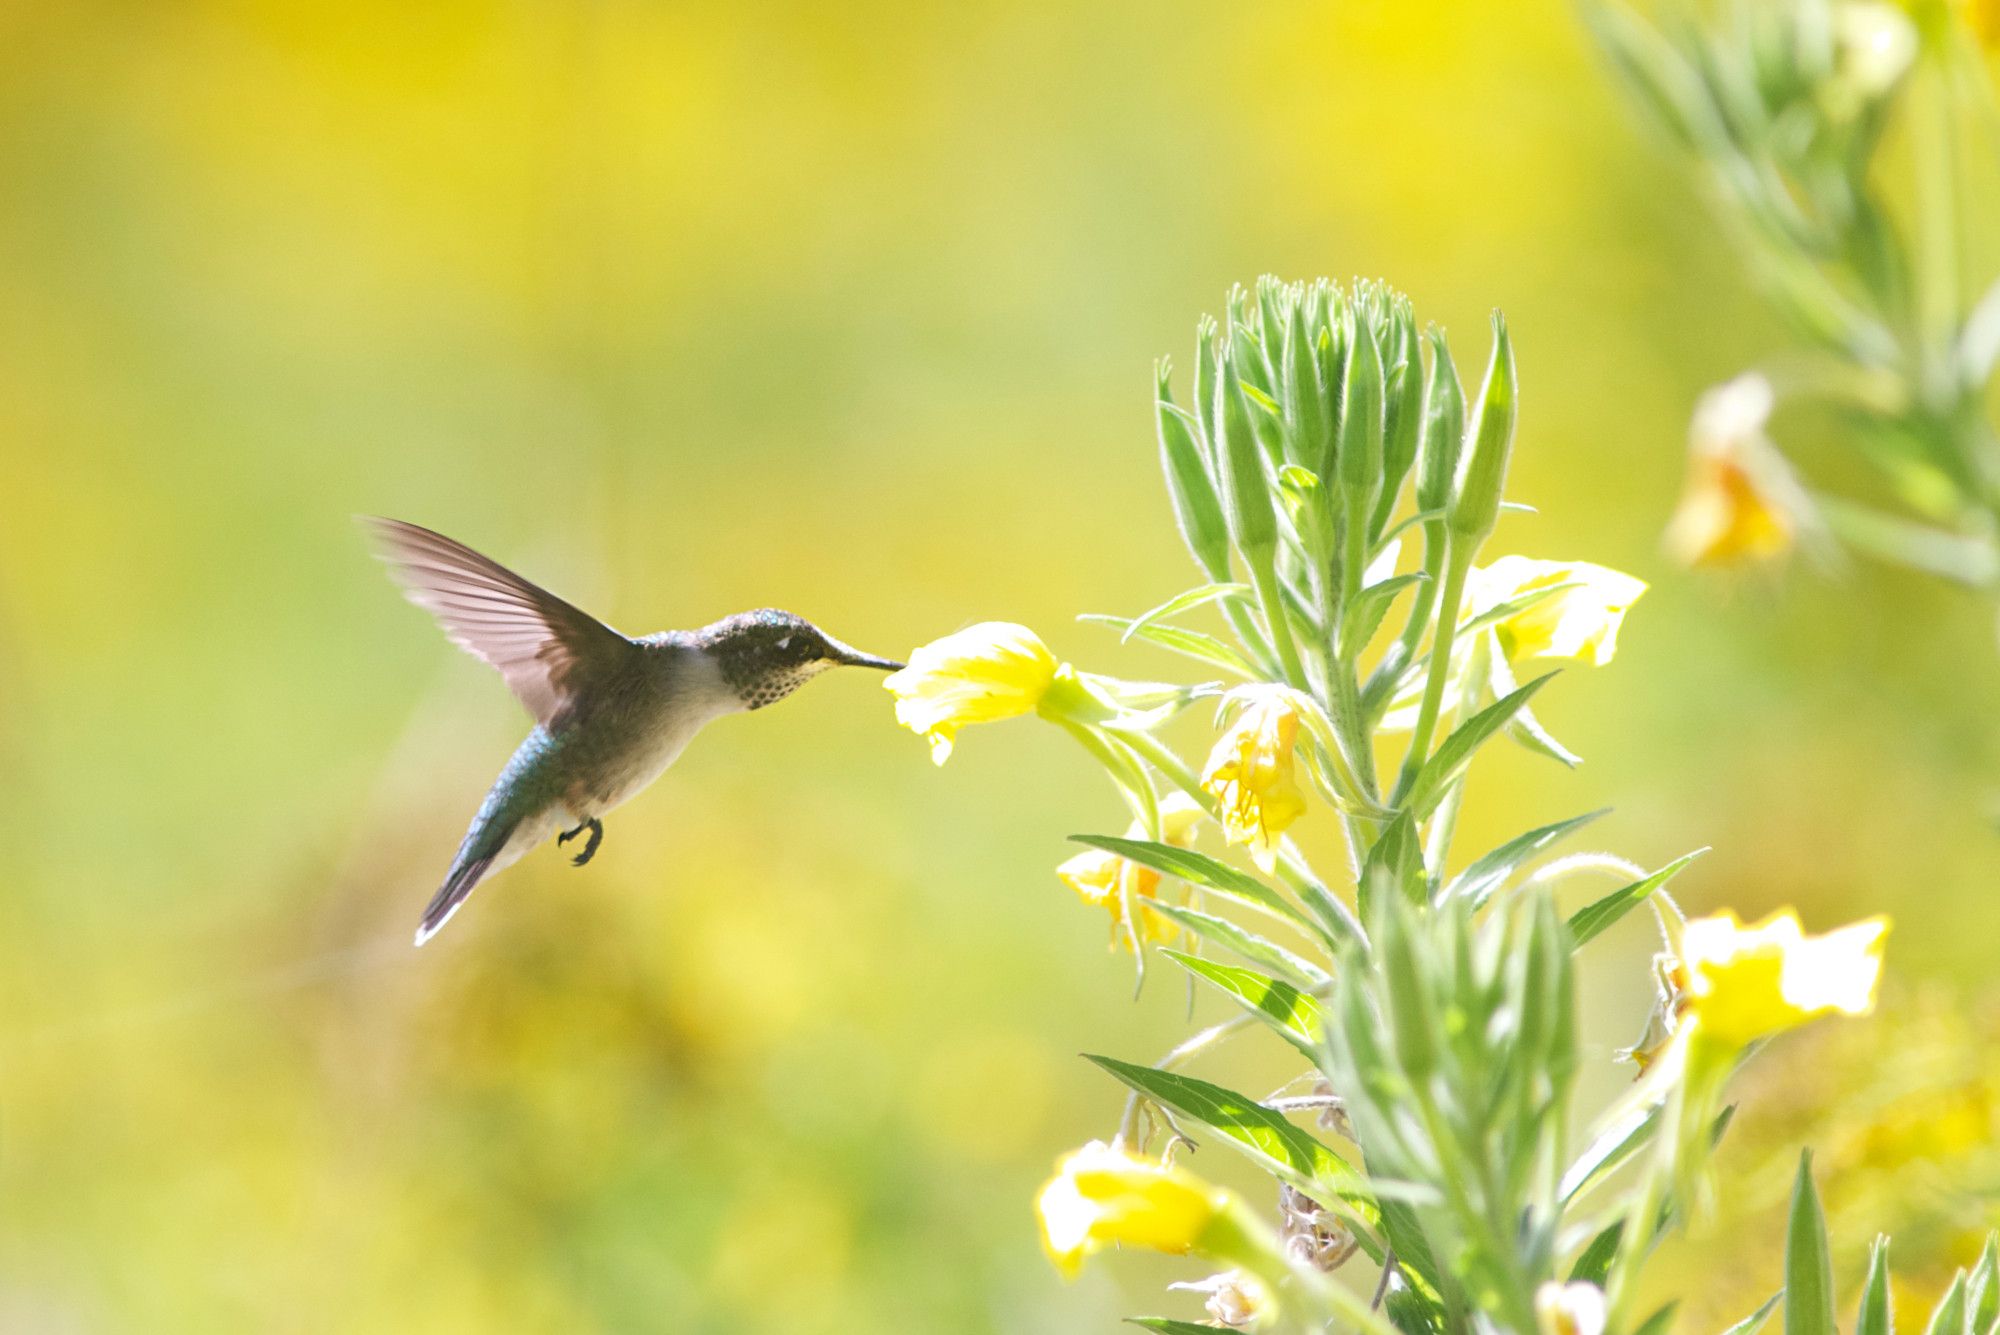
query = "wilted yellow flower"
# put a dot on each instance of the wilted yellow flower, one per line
(1569, 1309)
(1102, 1196)
(1732, 510)
(1103, 879)
(994, 670)
(1250, 772)
(1579, 622)
(1746, 982)
(1237, 1299)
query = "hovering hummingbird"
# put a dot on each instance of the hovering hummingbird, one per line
(611, 712)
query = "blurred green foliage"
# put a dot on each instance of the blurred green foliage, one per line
(682, 309)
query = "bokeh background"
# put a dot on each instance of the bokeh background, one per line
(682, 308)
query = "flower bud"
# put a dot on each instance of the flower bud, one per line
(1197, 507)
(1444, 428)
(1246, 490)
(1361, 421)
(1476, 508)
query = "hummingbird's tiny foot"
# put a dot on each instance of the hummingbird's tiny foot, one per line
(596, 828)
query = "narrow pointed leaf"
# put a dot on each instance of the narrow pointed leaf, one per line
(1659, 1322)
(1252, 947)
(1197, 869)
(1982, 1298)
(1185, 602)
(1250, 1128)
(1295, 1016)
(1188, 643)
(1808, 1264)
(1948, 1317)
(1590, 921)
(1753, 1323)
(1168, 1326)
(1877, 1313)
(1450, 759)
(1487, 874)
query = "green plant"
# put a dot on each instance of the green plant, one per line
(1830, 137)
(1432, 1010)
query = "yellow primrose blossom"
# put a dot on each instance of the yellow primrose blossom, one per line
(1731, 511)
(1237, 1299)
(1569, 1309)
(1579, 622)
(1744, 983)
(1251, 773)
(1100, 1197)
(1104, 880)
(994, 670)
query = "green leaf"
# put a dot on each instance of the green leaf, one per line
(1450, 759)
(1487, 874)
(1526, 730)
(1184, 602)
(1808, 1265)
(1983, 1288)
(1363, 616)
(1168, 1326)
(1296, 1016)
(1659, 1322)
(1397, 859)
(1188, 643)
(1753, 1323)
(1252, 947)
(1948, 1317)
(1595, 1264)
(1251, 1129)
(1590, 921)
(1197, 869)
(1877, 1316)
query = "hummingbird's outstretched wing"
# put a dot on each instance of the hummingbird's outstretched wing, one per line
(543, 646)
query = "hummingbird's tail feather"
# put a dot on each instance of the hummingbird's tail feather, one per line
(457, 886)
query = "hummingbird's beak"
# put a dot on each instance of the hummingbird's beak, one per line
(855, 658)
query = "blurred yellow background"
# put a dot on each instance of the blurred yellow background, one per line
(849, 309)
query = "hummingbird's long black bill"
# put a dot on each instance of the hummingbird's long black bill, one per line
(855, 658)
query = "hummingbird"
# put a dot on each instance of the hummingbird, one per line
(611, 711)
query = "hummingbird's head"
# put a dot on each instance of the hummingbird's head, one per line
(767, 654)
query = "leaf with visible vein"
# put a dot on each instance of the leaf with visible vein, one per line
(1198, 869)
(1190, 643)
(1256, 949)
(1294, 1015)
(1487, 874)
(1589, 922)
(1184, 602)
(1250, 1128)
(1451, 758)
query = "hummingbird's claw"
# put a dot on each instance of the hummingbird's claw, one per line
(596, 828)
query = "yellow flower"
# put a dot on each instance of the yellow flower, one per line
(1746, 982)
(1251, 774)
(1102, 1197)
(1569, 1309)
(1237, 1299)
(1103, 879)
(1579, 622)
(1732, 510)
(994, 670)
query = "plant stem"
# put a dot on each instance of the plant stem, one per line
(1280, 622)
(1458, 563)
